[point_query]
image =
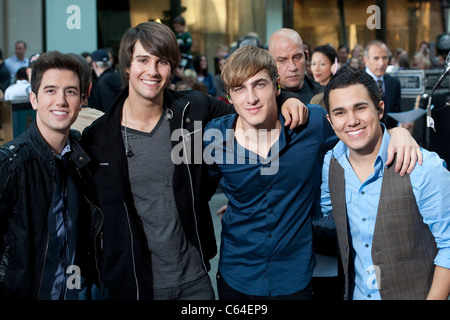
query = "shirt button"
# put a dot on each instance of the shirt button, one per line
(364, 219)
(363, 193)
(369, 296)
(366, 245)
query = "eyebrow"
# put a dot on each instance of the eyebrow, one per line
(253, 83)
(142, 56)
(362, 103)
(53, 86)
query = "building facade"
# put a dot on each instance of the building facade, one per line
(84, 25)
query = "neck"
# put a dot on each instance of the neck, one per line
(363, 162)
(56, 140)
(139, 115)
(258, 139)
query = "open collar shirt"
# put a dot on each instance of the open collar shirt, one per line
(431, 188)
(266, 244)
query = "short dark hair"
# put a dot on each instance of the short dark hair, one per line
(328, 51)
(56, 60)
(179, 20)
(87, 75)
(348, 76)
(157, 38)
(21, 74)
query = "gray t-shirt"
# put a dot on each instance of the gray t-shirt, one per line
(175, 261)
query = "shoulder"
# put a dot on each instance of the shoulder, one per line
(433, 167)
(221, 123)
(317, 115)
(392, 80)
(14, 152)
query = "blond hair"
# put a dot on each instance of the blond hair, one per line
(246, 62)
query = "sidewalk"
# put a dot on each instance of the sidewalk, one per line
(216, 202)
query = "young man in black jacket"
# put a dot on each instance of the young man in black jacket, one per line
(152, 183)
(47, 203)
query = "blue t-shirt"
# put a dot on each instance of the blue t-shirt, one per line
(266, 245)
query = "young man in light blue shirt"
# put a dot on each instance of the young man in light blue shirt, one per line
(374, 221)
(271, 177)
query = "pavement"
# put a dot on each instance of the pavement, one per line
(217, 201)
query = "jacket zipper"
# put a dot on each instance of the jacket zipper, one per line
(43, 265)
(192, 190)
(95, 245)
(45, 251)
(132, 252)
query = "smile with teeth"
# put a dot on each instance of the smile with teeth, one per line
(151, 82)
(355, 133)
(59, 113)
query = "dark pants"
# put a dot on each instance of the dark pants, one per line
(200, 289)
(227, 293)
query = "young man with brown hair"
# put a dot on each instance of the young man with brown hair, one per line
(47, 203)
(158, 235)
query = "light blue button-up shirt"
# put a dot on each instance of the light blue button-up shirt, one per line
(13, 64)
(431, 188)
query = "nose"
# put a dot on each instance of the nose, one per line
(352, 119)
(61, 99)
(292, 65)
(252, 97)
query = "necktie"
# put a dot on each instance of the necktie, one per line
(380, 87)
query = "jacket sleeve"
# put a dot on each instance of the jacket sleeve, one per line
(5, 190)
(218, 108)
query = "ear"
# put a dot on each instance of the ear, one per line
(33, 100)
(278, 87)
(88, 93)
(333, 68)
(229, 98)
(380, 109)
(329, 120)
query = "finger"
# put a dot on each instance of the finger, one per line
(404, 165)
(295, 121)
(400, 160)
(391, 154)
(287, 117)
(413, 161)
(305, 116)
(419, 155)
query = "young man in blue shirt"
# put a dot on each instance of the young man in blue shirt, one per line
(271, 177)
(393, 231)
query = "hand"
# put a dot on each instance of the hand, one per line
(294, 112)
(407, 149)
(222, 210)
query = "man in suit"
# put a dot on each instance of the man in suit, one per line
(376, 58)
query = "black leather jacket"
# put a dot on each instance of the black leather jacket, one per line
(27, 182)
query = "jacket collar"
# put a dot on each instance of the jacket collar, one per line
(35, 139)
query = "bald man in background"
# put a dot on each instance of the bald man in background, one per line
(286, 47)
